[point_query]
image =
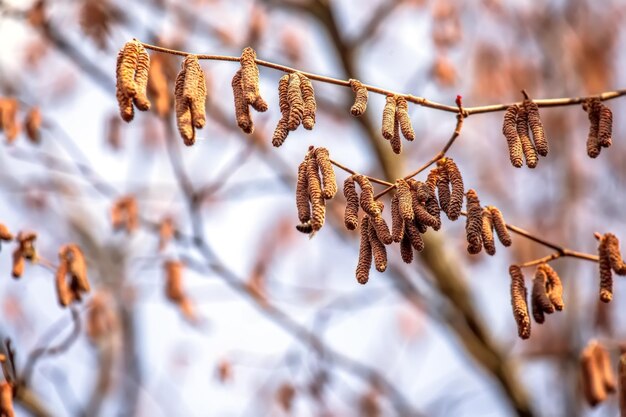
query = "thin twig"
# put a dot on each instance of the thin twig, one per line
(353, 172)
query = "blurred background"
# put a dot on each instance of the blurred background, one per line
(277, 324)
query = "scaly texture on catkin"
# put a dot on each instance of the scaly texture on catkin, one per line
(605, 126)
(457, 189)
(378, 248)
(302, 193)
(132, 67)
(282, 131)
(328, 174)
(194, 90)
(615, 255)
(296, 102)
(368, 204)
(500, 226)
(242, 111)
(510, 132)
(622, 381)
(519, 302)
(360, 98)
(402, 114)
(405, 202)
(379, 225)
(183, 111)
(365, 253)
(528, 148)
(592, 107)
(351, 219)
(397, 222)
(539, 299)
(411, 230)
(310, 106)
(318, 204)
(250, 80)
(473, 225)
(487, 233)
(389, 117)
(536, 127)
(443, 186)
(554, 288)
(606, 275)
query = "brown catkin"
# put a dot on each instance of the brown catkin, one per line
(141, 78)
(174, 281)
(318, 204)
(8, 118)
(379, 225)
(605, 126)
(603, 362)
(310, 106)
(64, 294)
(621, 370)
(457, 189)
(76, 266)
(302, 193)
(194, 90)
(183, 111)
(368, 204)
(402, 114)
(592, 107)
(500, 226)
(518, 301)
(296, 103)
(510, 132)
(242, 111)
(615, 257)
(473, 225)
(250, 80)
(432, 205)
(6, 400)
(487, 233)
(5, 234)
(350, 218)
(32, 124)
(406, 249)
(389, 117)
(443, 187)
(365, 253)
(378, 247)
(421, 214)
(396, 143)
(397, 222)
(405, 200)
(126, 66)
(540, 302)
(606, 275)
(536, 127)
(554, 288)
(530, 153)
(18, 264)
(592, 381)
(360, 98)
(282, 131)
(26, 241)
(412, 231)
(328, 174)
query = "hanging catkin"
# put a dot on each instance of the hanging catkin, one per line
(457, 189)
(296, 103)
(8, 118)
(411, 230)
(500, 226)
(397, 222)
(402, 114)
(250, 80)
(282, 131)
(318, 204)
(510, 131)
(617, 263)
(64, 293)
(367, 202)
(396, 143)
(76, 267)
(405, 203)
(443, 186)
(133, 63)
(536, 127)
(473, 225)
(606, 275)
(518, 301)
(432, 205)
(530, 153)
(360, 98)
(603, 363)
(605, 126)
(18, 264)
(592, 379)
(592, 107)
(380, 227)
(554, 288)
(183, 111)
(141, 78)
(302, 193)
(389, 117)
(406, 249)
(540, 302)
(242, 111)
(621, 370)
(365, 253)
(420, 213)
(328, 174)
(310, 106)
(487, 233)
(194, 90)
(32, 124)
(351, 219)
(378, 247)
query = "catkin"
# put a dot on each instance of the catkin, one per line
(141, 78)
(592, 107)
(64, 294)
(487, 233)
(302, 193)
(32, 125)
(296, 103)
(554, 288)
(194, 90)
(282, 131)
(6, 400)
(328, 174)
(603, 362)
(510, 132)
(76, 267)
(615, 256)
(605, 126)
(606, 275)
(360, 98)
(421, 214)
(500, 226)
(318, 205)
(250, 80)
(8, 118)
(125, 68)
(378, 247)
(17, 269)
(622, 382)
(414, 235)
(397, 222)
(183, 111)
(443, 186)
(379, 225)
(540, 302)
(530, 153)
(350, 218)
(368, 204)
(518, 301)
(457, 189)
(5, 234)
(592, 379)
(310, 106)
(473, 225)
(26, 245)
(365, 253)
(133, 63)
(396, 143)
(402, 116)
(405, 200)
(432, 205)
(389, 117)
(536, 127)
(174, 281)
(242, 111)
(406, 249)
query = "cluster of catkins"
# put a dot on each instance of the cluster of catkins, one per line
(9, 124)
(174, 288)
(610, 261)
(296, 99)
(519, 122)
(546, 297)
(600, 126)
(316, 183)
(597, 376)
(133, 64)
(395, 119)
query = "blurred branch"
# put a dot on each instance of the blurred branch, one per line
(377, 19)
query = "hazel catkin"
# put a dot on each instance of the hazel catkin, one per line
(487, 233)
(250, 80)
(592, 107)
(378, 247)
(554, 288)
(242, 111)
(296, 102)
(539, 299)
(389, 117)
(473, 225)
(380, 227)
(605, 126)
(183, 111)
(132, 67)
(500, 226)
(194, 90)
(443, 187)
(592, 379)
(352, 203)
(365, 253)
(606, 275)
(456, 191)
(397, 222)
(32, 124)
(406, 249)
(367, 202)
(310, 106)
(360, 98)
(402, 114)
(282, 131)
(519, 302)
(536, 127)
(405, 202)
(528, 148)
(302, 193)
(318, 204)
(412, 231)
(510, 132)
(328, 174)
